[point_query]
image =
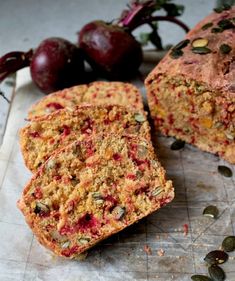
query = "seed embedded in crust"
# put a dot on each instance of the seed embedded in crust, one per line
(200, 42)
(201, 50)
(207, 25)
(225, 49)
(119, 212)
(175, 54)
(181, 44)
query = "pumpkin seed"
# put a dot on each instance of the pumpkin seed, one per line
(157, 191)
(222, 8)
(142, 151)
(119, 212)
(225, 49)
(50, 164)
(218, 124)
(201, 50)
(225, 24)
(229, 244)
(139, 117)
(200, 42)
(178, 144)
(207, 25)
(65, 244)
(216, 257)
(98, 198)
(41, 207)
(216, 273)
(181, 44)
(216, 30)
(84, 241)
(225, 171)
(175, 54)
(200, 278)
(211, 211)
(229, 136)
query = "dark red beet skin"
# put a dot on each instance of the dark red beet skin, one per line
(110, 50)
(56, 64)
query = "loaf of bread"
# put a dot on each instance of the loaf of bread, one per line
(191, 92)
(44, 135)
(92, 189)
(97, 93)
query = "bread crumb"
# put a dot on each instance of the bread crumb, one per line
(161, 252)
(147, 250)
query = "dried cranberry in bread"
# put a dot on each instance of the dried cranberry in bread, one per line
(92, 189)
(45, 134)
(191, 92)
(96, 93)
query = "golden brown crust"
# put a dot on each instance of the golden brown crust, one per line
(208, 68)
(96, 93)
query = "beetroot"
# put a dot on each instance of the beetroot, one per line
(110, 50)
(56, 64)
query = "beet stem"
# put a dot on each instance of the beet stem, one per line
(151, 19)
(13, 61)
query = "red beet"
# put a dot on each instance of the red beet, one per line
(110, 50)
(56, 64)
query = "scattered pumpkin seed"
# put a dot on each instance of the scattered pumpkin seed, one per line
(175, 54)
(229, 136)
(84, 241)
(139, 117)
(119, 212)
(178, 144)
(200, 42)
(216, 30)
(229, 244)
(65, 244)
(157, 191)
(98, 198)
(225, 24)
(216, 273)
(181, 44)
(211, 211)
(225, 49)
(142, 151)
(225, 171)
(216, 257)
(200, 278)
(201, 50)
(218, 124)
(207, 25)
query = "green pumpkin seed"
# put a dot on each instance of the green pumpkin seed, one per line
(225, 24)
(139, 117)
(181, 44)
(200, 278)
(225, 49)
(222, 8)
(211, 211)
(178, 144)
(157, 191)
(119, 212)
(216, 273)
(225, 171)
(83, 241)
(65, 245)
(216, 257)
(207, 25)
(175, 54)
(41, 207)
(216, 30)
(229, 244)
(201, 50)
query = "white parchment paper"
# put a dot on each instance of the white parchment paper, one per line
(174, 255)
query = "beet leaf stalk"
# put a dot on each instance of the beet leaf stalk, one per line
(13, 61)
(141, 12)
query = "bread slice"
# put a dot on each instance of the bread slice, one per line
(48, 133)
(191, 92)
(96, 93)
(92, 189)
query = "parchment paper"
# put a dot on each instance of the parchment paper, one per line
(173, 254)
